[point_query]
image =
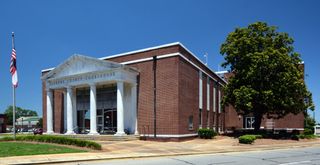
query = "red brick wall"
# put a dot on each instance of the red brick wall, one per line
(44, 106)
(188, 97)
(58, 111)
(167, 96)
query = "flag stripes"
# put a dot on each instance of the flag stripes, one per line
(13, 68)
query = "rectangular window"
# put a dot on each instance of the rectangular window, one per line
(214, 98)
(200, 89)
(208, 119)
(249, 122)
(200, 118)
(219, 101)
(191, 122)
(208, 93)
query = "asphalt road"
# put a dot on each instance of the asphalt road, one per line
(297, 156)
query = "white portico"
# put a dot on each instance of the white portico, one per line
(99, 96)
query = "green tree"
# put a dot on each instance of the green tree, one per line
(268, 78)
(40, 123)
(19, 112)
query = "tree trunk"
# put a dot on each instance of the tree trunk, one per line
(257, 122)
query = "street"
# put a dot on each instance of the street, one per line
(310, 155)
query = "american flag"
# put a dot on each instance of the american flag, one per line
(13, 68)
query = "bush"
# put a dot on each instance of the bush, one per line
(57, 140)
(308, 131)
(295, 137)
(247, 139)
(205, 133)
(303, 136)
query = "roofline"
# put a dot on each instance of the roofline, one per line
(140, 50)
(153, 48)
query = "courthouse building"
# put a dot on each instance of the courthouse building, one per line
(119, 94)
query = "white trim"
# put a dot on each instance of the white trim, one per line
(221, 72)
(45, 70)
(168, 135)
(163, 46)
(185, 58)
(140, 50)
(137, 61)
(160, 57)
(172, 55)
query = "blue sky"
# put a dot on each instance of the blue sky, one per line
(48, 32)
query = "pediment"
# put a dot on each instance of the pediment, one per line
(79, 64)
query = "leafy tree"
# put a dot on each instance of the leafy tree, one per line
(309, 122)
(40, 123)
(268, 78)
(19, 113)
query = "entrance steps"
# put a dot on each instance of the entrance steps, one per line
(103, 137)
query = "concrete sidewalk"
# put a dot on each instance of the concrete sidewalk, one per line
(139, 149)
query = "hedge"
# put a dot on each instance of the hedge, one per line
(57, 140)
(205, 133)
(248, 139)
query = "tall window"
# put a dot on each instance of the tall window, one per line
(190, 122)
(208, 119)
(219, 100)
(200, 118)
(249, 122)
(208, 93)
(200, 89)
(214, 97)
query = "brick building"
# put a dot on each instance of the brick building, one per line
(115, 94)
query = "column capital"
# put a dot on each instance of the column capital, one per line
(92, 84)
(48, 90)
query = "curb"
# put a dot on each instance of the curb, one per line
(257, 148)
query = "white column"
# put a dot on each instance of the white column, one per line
(120, 114)
(74, 110)
(93, 110)
(134, 106)
(64, 111)
(69, 112)
(49, 112)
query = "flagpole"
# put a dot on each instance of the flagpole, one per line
(14, 99)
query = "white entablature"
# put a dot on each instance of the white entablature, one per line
(81, 70)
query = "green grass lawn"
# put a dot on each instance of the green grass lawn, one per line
(20, 148)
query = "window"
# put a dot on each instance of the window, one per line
(214, 98)
(200, 118)
(191, 122)
(200, 89)
(208, 93)
(249, 122)
(208, 119)
(219, 101)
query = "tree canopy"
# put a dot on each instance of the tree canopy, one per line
(268, 74)
(19, 113)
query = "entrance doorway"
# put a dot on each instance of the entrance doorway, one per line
(83, 121)
(107, 121)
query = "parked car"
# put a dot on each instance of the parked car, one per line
(38, 131)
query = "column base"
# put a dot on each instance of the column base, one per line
(120, 134)
(136, 133)
(70, 133)
(93, 133)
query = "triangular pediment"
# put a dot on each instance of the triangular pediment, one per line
(79, 64)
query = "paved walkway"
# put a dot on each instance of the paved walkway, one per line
(138, 149)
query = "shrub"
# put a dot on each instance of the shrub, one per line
(247, 139)
(258, 136)
(295, 137)
(303, 136)
(205, 133)
(57, 140)
(308, 131)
